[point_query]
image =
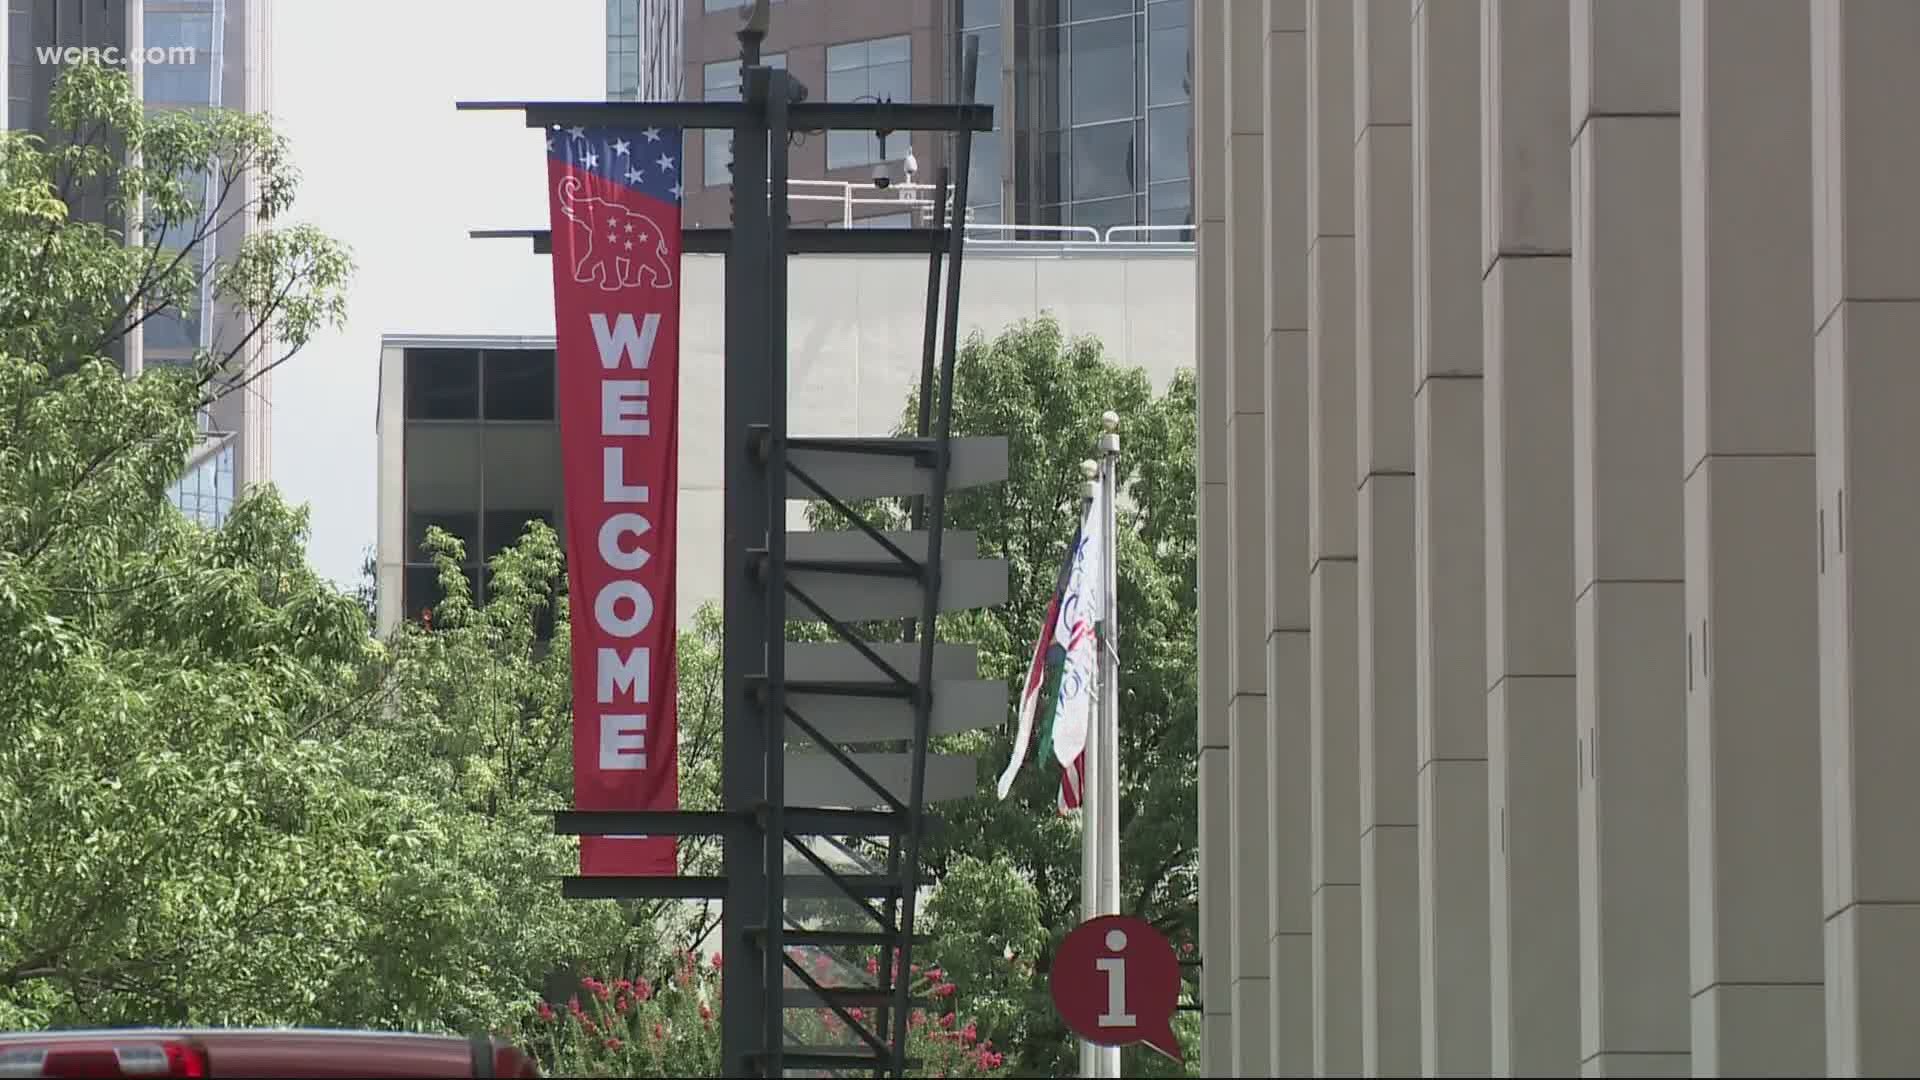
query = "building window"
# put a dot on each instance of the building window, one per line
(978, 19)
(517, 384)
(1168, 35)
(462, 525)
(1170, 204)
(1168, 129)
(183, 74)
(1112, 118)
(1101, 214)
(877, 70)
(1101, 70)
(443, 384)
(422, 593)
(18, 63)
(504, 528)
(1099, 9)
(975, 14)
(623, 49)
(1102, 160)
(174, 235)
(174, 327)
(721, 82)
(205, 494)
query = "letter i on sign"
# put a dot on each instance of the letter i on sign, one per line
(1115, 968)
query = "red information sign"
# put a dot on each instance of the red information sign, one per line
(1116, 982)
(615, 209)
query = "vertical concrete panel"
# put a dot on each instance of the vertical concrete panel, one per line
(1216, 860)
(1867, 390)
(1523, 102)
(1290, 833)
(1629, 557)
(1449, 543)
(1534, 953)
(1753, 779)
(1534, 931)
(1383, 342)
(1289, 762)
(1247, 304)
(1333, 584)
(1383, 363)
(1213, 338)
(1334, 732)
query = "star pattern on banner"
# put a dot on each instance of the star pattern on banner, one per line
(611, 154)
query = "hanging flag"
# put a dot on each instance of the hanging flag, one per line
(614, 202)
(1048, 657)
(1081, 604)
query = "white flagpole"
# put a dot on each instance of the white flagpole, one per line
(1092, 897)
(1106, 789)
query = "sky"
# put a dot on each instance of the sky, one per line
(364, 91)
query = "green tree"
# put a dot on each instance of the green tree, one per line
(174, 849)
(470, 724)
(1009, 872)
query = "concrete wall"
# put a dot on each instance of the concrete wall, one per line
(855, 328)
(1610, 520)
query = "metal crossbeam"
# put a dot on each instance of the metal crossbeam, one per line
(711, 115)
(802, 820)
(859, 241)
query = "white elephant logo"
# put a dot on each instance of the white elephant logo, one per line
(614, 246)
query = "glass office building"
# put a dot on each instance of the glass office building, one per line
(1092, 106)
(200, 54)
(1100, 113)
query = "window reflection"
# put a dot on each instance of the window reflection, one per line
(443, 384)
(877, 70)
(185, 77)
(1099, 9)
(1102, 160)
(1169, 129)
(173, 328)
(1167, 36)
(1170, 204)
(518, 384)
(1102, 214)
(1100, 58)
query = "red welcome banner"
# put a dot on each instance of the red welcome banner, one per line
(614, 197)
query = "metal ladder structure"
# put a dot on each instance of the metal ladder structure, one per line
(795, 779)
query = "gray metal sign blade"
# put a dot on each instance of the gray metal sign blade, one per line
(958, 705)
(964, 584)
(815, 779)
(851, 474)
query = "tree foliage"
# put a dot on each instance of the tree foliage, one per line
(175, 848)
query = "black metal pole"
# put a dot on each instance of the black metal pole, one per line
(929, 350)
(774, 580)
(743, 742)
(936, 523)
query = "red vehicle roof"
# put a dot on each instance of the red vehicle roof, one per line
(265, 1053)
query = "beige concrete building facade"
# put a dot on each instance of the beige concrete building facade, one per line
(1558, 637)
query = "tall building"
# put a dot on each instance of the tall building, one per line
(182, 54)
(1557, 519)
(1092, 103)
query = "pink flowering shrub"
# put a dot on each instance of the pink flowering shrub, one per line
(633, 1028)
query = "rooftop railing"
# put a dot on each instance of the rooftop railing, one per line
(867, 203)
